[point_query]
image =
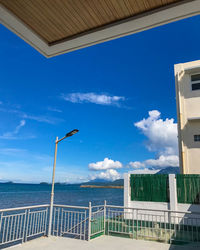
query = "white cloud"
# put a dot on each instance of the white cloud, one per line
(161, 134)
(54, 110)
(38, 118)
(144, 171)
(164, 161)
(136, 164)
(109, 174)
(105, 164)
(162, 139)
(12, 134)
(101, 99)
(161, 162)
(12, 151)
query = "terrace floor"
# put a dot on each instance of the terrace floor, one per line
(103, 242)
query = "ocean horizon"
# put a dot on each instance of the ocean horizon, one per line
(19, 195)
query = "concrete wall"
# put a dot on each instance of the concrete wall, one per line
(173, 205)
(188, 111)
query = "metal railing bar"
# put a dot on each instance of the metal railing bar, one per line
(98, 211)
(38, 222)
(153, 210)
(68, 206)
(7, 229)
(33, 224)
(76, 225)
(17, 231)
(11, 227)
(84, 226)
(20, 230)
(27, 224)
(81, 225)
(31, 235)
(72, 233)
(61, 224)
(41, 214)
(58, 221)
(97, 232)
(43, 223)
(31, 216)
(11, 241)
(98, 206)
(68, 222)
(73, 211)
(13, 236)
(23, 208)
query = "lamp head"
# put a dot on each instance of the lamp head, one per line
(73, 132)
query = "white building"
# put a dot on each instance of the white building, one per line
(187, 77)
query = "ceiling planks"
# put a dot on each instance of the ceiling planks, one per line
(56, 20)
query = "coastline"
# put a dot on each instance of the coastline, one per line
(98, 186)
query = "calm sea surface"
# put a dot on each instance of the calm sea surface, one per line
(17, 195)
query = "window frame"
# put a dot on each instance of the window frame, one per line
(194, 82)
(197, 138)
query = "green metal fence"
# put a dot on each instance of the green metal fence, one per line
(188, 188)
(149, 187)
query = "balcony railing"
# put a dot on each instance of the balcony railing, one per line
(20, 224)
(17, 225)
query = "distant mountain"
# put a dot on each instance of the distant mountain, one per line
(169, 170)
(119, 182)
(100, 182)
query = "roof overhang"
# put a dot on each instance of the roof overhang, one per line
(134, 24)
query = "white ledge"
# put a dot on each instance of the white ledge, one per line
(194, 118)
(137, 24)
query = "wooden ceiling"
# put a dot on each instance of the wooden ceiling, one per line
(58, 20)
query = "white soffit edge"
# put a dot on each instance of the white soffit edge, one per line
(193, 70)
(193, 118)
(188, 67)
(131, 26)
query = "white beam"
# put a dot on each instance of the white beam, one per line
(133, 25)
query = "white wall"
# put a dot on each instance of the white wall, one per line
(188, 111)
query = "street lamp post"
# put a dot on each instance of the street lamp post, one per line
(53, 176)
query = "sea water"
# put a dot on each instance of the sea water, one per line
(18, 195)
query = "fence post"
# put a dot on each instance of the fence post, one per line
(173, 192)
(132, 221)
(61, 223)
(1, 217)
(127, 193)
(89, 221)
(24, 226)
(173, 195)
(46, 222)
(136, 224)
(104, 216)
(27, 222)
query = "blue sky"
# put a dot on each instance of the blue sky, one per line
(106, 91)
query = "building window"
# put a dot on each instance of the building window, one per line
(196, 137)
(195, 80)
